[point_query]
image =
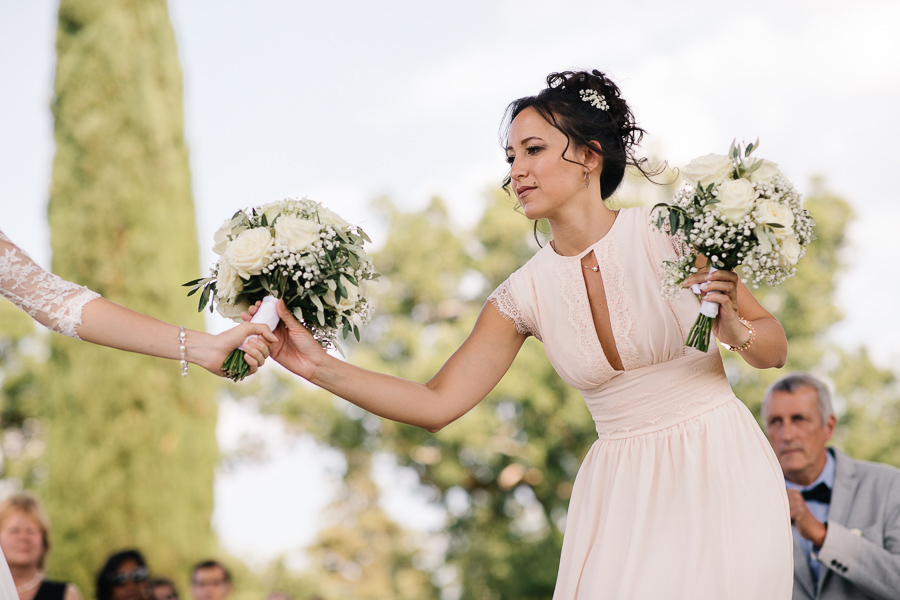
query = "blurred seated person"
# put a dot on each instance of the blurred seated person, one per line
(210, 580)
(25, 541)
(161, 588)
(123, 577)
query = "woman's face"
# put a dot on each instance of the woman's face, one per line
(129, 582)
(542, 179)
(22, 540)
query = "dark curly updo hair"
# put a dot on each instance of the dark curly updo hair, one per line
(614, 128)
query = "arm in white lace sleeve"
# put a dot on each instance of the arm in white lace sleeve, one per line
(50, 300)
(503, 299)
(78, 312)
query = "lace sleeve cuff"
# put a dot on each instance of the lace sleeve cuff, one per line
(503, 300)
(52, 301)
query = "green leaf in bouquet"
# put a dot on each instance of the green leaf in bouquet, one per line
(753, 167)
(320, 308)
(195, 284)
(775, 225)
(363, 234)
(204, 298)
(345, 237)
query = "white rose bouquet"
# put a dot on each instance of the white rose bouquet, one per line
(742, 214)
(296, 250)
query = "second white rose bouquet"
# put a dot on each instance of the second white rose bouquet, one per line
(741, 213)
(296, 250)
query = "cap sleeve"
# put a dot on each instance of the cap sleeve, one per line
(505, 302)
(52, 301)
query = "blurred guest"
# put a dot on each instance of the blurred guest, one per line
(161, 588)
(845, 512)
(123, 577)
(279, 596)
(210, 580)
(25, 540)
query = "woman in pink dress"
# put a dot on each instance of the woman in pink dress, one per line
(681, 496)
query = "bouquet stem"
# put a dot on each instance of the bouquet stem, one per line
(235, 367)
(698, 336)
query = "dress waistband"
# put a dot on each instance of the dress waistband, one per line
(658, 396)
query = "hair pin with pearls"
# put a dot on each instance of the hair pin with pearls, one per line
(594, 99)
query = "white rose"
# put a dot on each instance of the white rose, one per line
(249, 252)
(329, 217)
(770, 211)
(271, 210)
(221, 236)
(232, 310)
(346, 304)
(296, 233)
(736, 198)
(790, 250)
(767, 171)
(228, 282)
(765, 237)
(712, 168)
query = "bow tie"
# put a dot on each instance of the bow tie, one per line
(820, 493)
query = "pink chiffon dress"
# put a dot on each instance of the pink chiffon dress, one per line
(681, 496)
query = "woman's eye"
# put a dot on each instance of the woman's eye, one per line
(510, 159)
(533, 149)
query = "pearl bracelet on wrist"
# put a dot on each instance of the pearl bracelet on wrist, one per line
(746, 344)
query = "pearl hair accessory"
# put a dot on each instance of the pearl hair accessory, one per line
(594, 99)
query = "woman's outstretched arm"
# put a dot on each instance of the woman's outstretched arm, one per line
(464, 380)
(110, 324)
(78, 312)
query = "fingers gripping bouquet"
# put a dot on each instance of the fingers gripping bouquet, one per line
(742, 214)
(296, 250)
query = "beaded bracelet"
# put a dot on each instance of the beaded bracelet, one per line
(182, 349)
(746, 344)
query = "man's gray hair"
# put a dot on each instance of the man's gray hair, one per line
(793, 382)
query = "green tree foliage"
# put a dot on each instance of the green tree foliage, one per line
(130, 445)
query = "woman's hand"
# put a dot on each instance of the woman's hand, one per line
(211, 351)
(721, 287)
(295, 347)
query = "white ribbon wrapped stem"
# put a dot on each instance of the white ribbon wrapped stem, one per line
(267, 313)
(707, 309)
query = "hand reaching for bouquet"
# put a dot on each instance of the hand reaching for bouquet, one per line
(294, 348)
(212, 350)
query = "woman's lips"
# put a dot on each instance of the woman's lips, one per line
(524, 191)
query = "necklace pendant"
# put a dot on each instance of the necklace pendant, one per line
(595, 268)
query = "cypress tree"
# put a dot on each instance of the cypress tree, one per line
(131, 444)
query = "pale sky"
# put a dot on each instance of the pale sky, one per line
(345, 101)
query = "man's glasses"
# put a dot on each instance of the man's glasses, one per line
(136, 576)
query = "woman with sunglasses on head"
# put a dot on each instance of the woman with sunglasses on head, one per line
(25, 541)
(680, 496)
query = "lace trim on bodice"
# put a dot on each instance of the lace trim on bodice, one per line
(574, 290)
(506, 305)
(50, 300)
(615, 282)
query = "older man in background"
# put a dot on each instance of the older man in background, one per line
(845, 512)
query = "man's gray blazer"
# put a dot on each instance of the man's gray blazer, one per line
(860, 558)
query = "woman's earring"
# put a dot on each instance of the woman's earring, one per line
(587, 180)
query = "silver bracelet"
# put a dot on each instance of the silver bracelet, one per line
(182, 349)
